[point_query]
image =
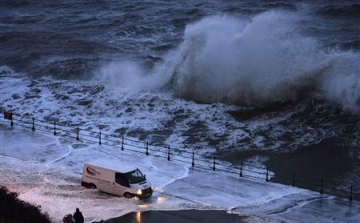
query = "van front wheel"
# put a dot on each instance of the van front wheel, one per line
(92, 186)
(128, 195)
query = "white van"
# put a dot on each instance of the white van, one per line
(116, 178)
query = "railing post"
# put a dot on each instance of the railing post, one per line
(77, 133)
(267, 174)
(241, 169)
(213, 164)
(147, 148)
(322, 186)
(293, 180)
(351, 193)
(33, 124)
(55, 128)
(168, 158)
(122, 143)
(193, 159)
(100, 138)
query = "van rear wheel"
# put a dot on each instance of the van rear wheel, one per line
(92, 186)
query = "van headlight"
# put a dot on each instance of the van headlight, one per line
(139, 192)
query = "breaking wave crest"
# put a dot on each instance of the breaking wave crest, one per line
(259, 62)
(128, 74)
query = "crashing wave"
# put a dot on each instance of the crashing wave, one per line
(257, 63)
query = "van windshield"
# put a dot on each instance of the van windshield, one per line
(135, 176)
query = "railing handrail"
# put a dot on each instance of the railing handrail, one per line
(167, 152)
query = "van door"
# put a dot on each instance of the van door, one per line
(121, 184)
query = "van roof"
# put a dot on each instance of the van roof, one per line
(113, 165)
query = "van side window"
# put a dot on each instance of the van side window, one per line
(121, 179)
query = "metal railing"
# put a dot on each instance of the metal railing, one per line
(121, 142)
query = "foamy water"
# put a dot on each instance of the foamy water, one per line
(227, 79)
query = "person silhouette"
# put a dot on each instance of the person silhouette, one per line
(78, 216)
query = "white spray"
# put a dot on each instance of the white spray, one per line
(128, 74)
(253, 62)
(266, 60)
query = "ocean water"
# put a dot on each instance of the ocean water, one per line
(253, 81)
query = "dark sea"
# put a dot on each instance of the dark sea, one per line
(69, 39)
(272, 83)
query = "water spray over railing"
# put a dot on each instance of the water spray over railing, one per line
(122, 143)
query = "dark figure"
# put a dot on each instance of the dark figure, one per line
(78, 217)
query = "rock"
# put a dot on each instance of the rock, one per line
(84, 102)
(121, 131)
(16, 96)
(101, 127)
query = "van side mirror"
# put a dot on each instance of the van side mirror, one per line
(145, 176)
